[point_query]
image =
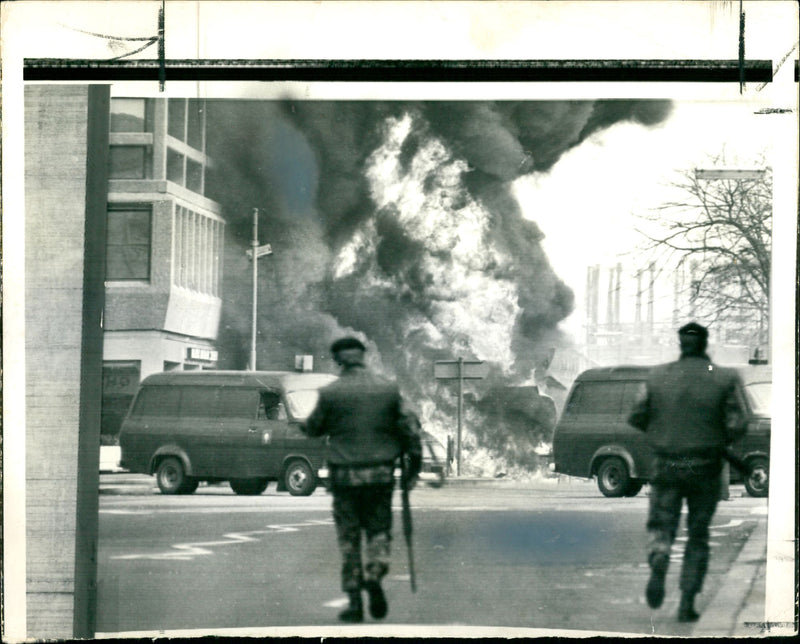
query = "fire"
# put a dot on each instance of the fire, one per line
(396, 221)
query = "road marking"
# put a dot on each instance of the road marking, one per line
(211, 510)
(337, 603)
(114, 511)
(472, 508)
(187, 551)
(733, 523)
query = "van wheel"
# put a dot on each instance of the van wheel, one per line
(634, 487)
(613, 477)
(757, 482)
(171, 477)
(299, 479)
(248, 487)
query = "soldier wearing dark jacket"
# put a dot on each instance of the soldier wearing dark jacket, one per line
(690, 414)
(362, 415)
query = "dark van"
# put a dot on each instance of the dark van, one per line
(215, 426)
(593, 438)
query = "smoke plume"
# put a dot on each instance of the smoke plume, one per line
(395, 222)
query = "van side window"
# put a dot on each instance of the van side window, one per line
(200, 402)
(574, 403)
(157, 401)
(270, 407)
(634, 391)
(599, 398)
(238, 403)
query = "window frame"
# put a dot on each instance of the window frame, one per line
(131, 207)
(146, 166)
(148, 121)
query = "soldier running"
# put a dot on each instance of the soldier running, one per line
(690, 413)
(367, 430)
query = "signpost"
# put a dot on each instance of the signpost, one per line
(254, 253)
(461, 370)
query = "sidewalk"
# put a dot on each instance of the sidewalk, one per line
(737, 610)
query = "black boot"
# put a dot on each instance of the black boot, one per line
(355, 611)
(377, 600)
(686, 611)
(659, 561)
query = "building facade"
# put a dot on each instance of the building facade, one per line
(633, 314)
(164, 247)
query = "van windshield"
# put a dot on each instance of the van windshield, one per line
(759, 395)
(302, 402)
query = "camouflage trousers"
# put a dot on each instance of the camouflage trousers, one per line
(697, 481)
(366, 509)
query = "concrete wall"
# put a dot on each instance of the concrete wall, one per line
(66, 147)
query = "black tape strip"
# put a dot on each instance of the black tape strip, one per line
(722, 71)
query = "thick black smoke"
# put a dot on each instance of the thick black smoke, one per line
(396, 221)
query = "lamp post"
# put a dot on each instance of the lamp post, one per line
(254, 253)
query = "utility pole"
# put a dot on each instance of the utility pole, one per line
(460, 413)
(254, 259)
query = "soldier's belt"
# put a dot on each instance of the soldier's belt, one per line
(362, 475)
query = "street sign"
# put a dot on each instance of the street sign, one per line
(266, 249)
(729, 173)
(470, 370)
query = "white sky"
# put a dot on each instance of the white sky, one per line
(587, 205)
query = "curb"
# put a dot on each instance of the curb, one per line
(477, 481)
(738, 607)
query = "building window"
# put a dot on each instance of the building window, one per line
(175, 167)
(195, 124)
(127, 162)
(130, 115)
(176, 118)
(197, 246)
(120, 382)
(194, 176)
(128, 244)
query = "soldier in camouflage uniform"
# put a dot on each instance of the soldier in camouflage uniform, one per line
(362, 415)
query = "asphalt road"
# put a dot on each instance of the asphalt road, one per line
(550, 556)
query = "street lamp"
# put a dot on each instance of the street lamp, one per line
(253, 254)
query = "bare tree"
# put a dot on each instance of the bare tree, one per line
(720, 234)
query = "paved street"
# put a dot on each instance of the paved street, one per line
(555, 556)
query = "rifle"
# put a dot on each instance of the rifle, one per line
(407, 527)
(735, 461)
